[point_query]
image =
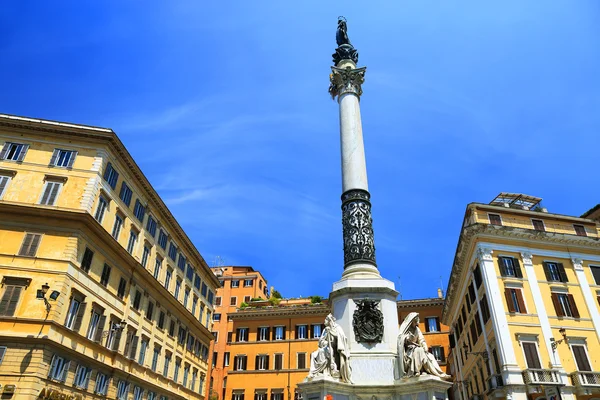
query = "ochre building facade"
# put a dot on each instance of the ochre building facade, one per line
(522, 303)
(102, 293)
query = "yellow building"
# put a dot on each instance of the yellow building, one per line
(102, 293)
(522, 303)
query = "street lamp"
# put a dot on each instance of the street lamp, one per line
(483, 354)
(554, 343)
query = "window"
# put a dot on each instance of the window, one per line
(137, 393)
(162, 239)
(242, 335)
(194, 378)
(114, 336)
(177, 288)
(263, 333)
(581, 358)
(210, 296)
(176, 370)
(137, 300)
(101, 384)
(186, 373)
(4, 180)
(316, 330)
(477, 276)
(172, 328)
(132, 240)
(59, 368)
(125, 194)
(207, 318)
(279, 333)
(150, 310)
(155, 356)
(239, 363)
(301, 361)
(122, 390)
(247, 299)
(50, 192)
(485, 309)
(111, 176)
(555, 272)
(75, 313)
(121, 289)
(117, 226)
(509, 266)
(237, 396)
(139, 210)
(168, 278)
(218, 301)
(226, 359)
(277, 395)
(538, 225)
(531, 355)
(131, 345)
(248, 282)
(172, 251)
(82, 376)
(143, 348)
(564, 305)
(186, 296)
(190, 272)
(166, 366)
(105, 275)
(197, 281)
(102, 204)
(278, 361)
(151, 226)
(262, 362)
(181, 335)
(145, 255)
(580, 230)
(297, 395)
(235, 283)
(301, 332)
(96, 326)
(86, 261)
(13, 151)
(233, 301)
(31, 242)
(262, 395)
(216, 317)
(204, 290)
(161, 320)
(432, 324)
(495, 219)
(157, 265)
(181, 262)
(514, 300)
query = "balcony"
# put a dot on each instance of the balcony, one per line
(541, 377)
(588, 379)
(495, 382)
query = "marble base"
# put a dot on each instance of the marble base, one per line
(424, 387)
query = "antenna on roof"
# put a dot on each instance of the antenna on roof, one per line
(399, 288)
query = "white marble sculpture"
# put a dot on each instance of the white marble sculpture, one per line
(330, 360)
(413, 355)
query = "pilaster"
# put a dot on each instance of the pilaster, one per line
(587, 294)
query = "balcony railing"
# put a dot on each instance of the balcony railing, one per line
(494, 382)
(541, 376)
(585, 378)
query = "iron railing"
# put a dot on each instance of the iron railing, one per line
(585, 378)
(541, 376)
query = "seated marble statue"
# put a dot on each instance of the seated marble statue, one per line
(413, 355)
(330, 360)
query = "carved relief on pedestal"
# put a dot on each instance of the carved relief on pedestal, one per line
(357, 224)
(367, 321)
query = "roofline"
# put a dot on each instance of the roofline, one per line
(528, 212)
(590, 211)
(108, 135)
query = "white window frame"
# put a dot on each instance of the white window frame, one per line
(233, 301)
(240, 362)
(245, 335)
(101, 208)
(261, 330)
(276, 332)
(101, 385)
(71, 153)
(320, 330)
(436, 322)
(579, 342)
(298, 360)
(226, 357)
(237, 283)
(72, 313)
(305, 326)
(82, 373)
(529, 339)
(518, 286)
(8, 179)
(93, 326)
(262, 362)
(261, 394)
(122, 390)
(275, 361)
(246, 282)
(237, 396)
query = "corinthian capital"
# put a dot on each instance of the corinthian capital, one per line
(484, 253)
(346, 80)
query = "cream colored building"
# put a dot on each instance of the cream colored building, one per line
(102, 293)
(522, 303)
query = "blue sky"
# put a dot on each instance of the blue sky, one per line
(224, 106)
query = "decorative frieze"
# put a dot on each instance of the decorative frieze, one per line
(357, 224)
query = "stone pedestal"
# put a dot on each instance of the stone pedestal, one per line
(424, 387)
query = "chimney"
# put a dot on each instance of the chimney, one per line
(440, 293)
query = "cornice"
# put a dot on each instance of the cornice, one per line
(471, 233)
(110, 138)
(434, 301)
(276, 311)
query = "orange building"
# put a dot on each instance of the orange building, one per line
(430, 315)
(239, 285)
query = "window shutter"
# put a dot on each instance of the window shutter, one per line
(72, 159)
(237, 335)
(273, 333)
(4, 151)
(134, 343)
(5, 300)
(79, 317)
(100, 328)
(283, 333)
(517, 266)
(296, 333)
(65, 370)
(47, 191)
(34, 245)
(23, 152)
(522, 308)
(501, 266)
(13, 301)
(442, 354)
(235, 363)
(573, 306)
(52, 365)
(509, 300)
(3, 183)
(581, 358)
(531, 355)
(557, 307)
(87, 378)
(451, 340)
(54, 157)
(267, 362)
(117, 340)
(562, 273)
(547, 271)
(256, 363)
(26, 244)
(245, 363)
(53, 193)
(437, 323)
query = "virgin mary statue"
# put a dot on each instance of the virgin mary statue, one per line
(413, 355)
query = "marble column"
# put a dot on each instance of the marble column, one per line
(359, 245)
